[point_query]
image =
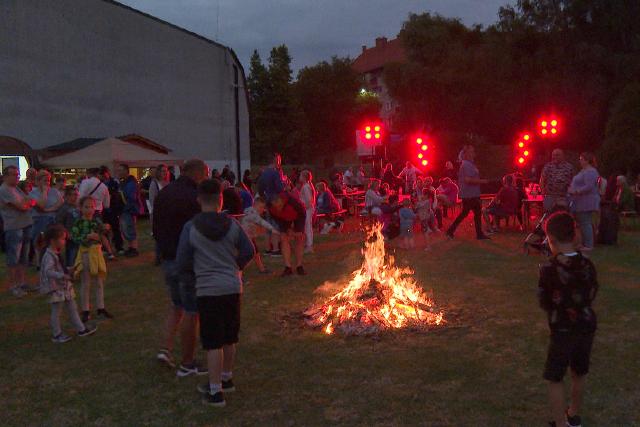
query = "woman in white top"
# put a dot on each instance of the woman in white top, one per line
(372, 199)
(308, 197)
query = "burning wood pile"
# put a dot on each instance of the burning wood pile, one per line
(380, 296)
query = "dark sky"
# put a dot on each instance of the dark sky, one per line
(314, 30)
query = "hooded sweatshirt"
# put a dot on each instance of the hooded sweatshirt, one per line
(214, 246)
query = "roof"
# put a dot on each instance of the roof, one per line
(377, 57)
(10, 146)
(80, 143)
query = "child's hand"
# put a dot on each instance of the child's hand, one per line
(93, 236)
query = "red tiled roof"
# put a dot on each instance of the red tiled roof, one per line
(376, 57)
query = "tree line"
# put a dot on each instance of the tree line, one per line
(579, 59)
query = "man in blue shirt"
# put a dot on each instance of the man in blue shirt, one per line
(469, 182)
(270, 183)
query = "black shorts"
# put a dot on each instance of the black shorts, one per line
(568, 350)
(297, 225)
(219, 320)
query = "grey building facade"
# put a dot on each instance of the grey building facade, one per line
(96, 68)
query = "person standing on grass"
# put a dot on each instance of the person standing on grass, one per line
(308, 197)
(215, 247)
(47, 201)
(132, 208)
(271, 183)
(253, 223)
(567, 287)
(66, 216)
(555, 180)
(410, 174)
(15, 207)
(93, 187)
(469, 182)
(87, 233)
(290, 216)
(585, 198)
(111, 215)
(55, 281)
(175, 205)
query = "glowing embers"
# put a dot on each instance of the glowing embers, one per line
(379, 296)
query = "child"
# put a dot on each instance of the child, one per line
(326, 204)
(90, 263)
(253, 224)
(407, 217)
(214, 246)
(566, 289)
(55, 281)
(66, 216)
(424, 207)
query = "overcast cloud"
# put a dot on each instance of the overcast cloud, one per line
(314, 30)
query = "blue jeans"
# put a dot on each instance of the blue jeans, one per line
(585, 222)
(128, 226)
(17, 244)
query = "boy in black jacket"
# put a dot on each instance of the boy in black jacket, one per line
(567, 287)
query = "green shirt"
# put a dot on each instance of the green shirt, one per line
(82, 228)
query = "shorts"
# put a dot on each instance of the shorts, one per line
(297, 225)
(17, 245)
(40, 225)
(182, 289)
(568, 350)
(219, 320)
(128, 226)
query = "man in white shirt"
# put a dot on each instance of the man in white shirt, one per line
(94, 188)
(348, 178)
(409, 173)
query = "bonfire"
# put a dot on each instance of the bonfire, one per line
(379, 296)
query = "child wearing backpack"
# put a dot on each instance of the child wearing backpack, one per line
(55, 281)
(90, 264)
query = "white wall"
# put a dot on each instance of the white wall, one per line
(91, 68)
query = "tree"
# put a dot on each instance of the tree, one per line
(621, 149)
(258, 87)
(328, 94)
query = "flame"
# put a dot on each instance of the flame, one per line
(378, 296)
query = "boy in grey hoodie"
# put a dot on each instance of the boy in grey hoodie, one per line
(215, 247)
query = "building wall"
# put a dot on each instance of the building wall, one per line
(375, 83)
(92, 68)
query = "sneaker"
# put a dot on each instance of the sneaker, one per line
(276, 253)
(574, 421)
(300, 271)
(165, 357)
(215, 400)
(193, 368)
(227, 387)
(286, 272)
(88, 331)
(131, 252)
(104, 314)
(17, 292)
(265, 271)
(61, 338)
(84, 316)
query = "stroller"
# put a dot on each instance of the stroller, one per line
(537, 239)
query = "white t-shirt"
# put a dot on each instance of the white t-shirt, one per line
(100, 195)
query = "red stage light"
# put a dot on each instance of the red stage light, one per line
(520, 144)
(526, 137)
(521, 160)
(367, 128)
(377, 135)
(554, 131)
(544, 131)
(554, 123)
(368, 136)
(544, 123)
(526, 153)
(420, 155)
(377, 128)
(425, 163)
(419, 140)
(424, 147)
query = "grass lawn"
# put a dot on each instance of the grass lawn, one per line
(482, 370)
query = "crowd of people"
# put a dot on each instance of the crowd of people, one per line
(206, 228)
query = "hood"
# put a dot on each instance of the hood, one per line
(214, 226)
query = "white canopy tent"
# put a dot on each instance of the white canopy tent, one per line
(109, 152)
